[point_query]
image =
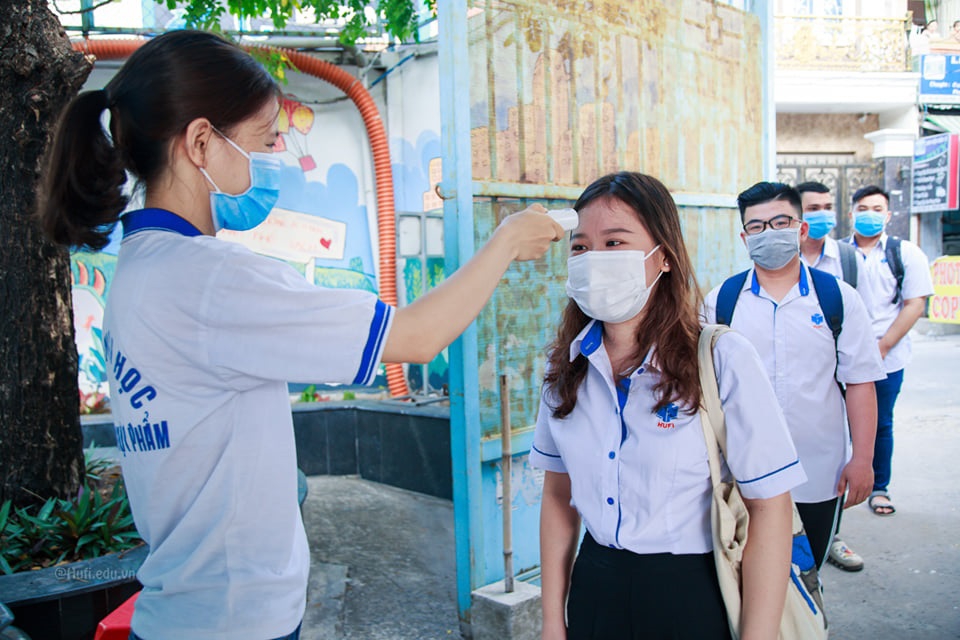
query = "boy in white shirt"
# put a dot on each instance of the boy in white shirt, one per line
(894, 282)
(820, 251)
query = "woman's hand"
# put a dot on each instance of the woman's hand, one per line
(529, 232)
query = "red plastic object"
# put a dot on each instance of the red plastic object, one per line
(116, 626)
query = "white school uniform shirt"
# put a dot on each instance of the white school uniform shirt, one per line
(800, 356)
(877, 286)
(200, 337)
(829, 259)
(640, 479)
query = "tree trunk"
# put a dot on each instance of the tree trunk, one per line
(41, 445)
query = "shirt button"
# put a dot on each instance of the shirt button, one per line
(612, 546)
(609, 500)
(612, 455)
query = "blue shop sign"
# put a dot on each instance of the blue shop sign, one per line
(940, 79)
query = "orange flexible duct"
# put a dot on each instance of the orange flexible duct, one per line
(113, 49)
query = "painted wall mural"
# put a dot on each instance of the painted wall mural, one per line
(320, 226)
(91, 274)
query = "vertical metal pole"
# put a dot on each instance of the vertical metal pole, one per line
(506, 468)
(457, 188)
(424, 279)
(86, 18)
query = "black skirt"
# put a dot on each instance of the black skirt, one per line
(620, 595)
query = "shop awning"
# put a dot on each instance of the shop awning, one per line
(942, 123)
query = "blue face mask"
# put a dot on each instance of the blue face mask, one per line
(820, 222)
(869, 223)
(246, 210)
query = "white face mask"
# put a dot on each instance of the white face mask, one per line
(610, 286)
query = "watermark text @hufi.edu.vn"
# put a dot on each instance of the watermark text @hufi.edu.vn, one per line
(91, 574)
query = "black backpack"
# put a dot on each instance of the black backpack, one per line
(894, 256)
(848, 263)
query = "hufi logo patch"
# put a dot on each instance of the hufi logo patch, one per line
(817, 320)
(667, 416)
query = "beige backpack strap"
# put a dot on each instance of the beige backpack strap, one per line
(711, 415)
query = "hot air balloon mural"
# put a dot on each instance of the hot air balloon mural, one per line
(296, 120)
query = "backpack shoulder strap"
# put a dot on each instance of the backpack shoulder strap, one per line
(848, 263)
(716, 431)
(728, 295)
(894, 256)
(831, 302)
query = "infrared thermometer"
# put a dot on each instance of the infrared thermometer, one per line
(566, 218)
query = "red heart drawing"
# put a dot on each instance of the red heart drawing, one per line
(325, 243)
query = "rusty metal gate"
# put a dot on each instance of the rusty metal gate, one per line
(843, 180)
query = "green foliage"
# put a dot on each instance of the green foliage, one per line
(274, 61)
(310, 394)
(88, 526)
(399, 17)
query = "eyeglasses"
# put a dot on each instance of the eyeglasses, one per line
(783, 221)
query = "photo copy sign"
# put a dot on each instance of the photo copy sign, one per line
(945, 301)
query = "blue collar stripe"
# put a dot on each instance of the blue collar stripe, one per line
(804, 284)
(157, 220)
(593, 339)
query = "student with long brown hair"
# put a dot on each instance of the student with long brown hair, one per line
(620, 439)
(201, 336)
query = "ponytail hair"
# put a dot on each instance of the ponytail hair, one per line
(166, 84)
(82, 195)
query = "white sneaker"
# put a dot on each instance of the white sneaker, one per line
(843, 556)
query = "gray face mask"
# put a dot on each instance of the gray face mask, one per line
(774, 248)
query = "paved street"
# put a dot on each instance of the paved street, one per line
(383, 558)
(909, 585)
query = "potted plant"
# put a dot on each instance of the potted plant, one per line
(65, 564)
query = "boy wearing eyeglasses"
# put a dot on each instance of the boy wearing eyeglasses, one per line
(777, 307)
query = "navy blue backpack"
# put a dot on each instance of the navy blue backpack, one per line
(828, 293)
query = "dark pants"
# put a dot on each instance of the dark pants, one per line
(293, 636)
(887, 392)
(619, 595)
(820, 521)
